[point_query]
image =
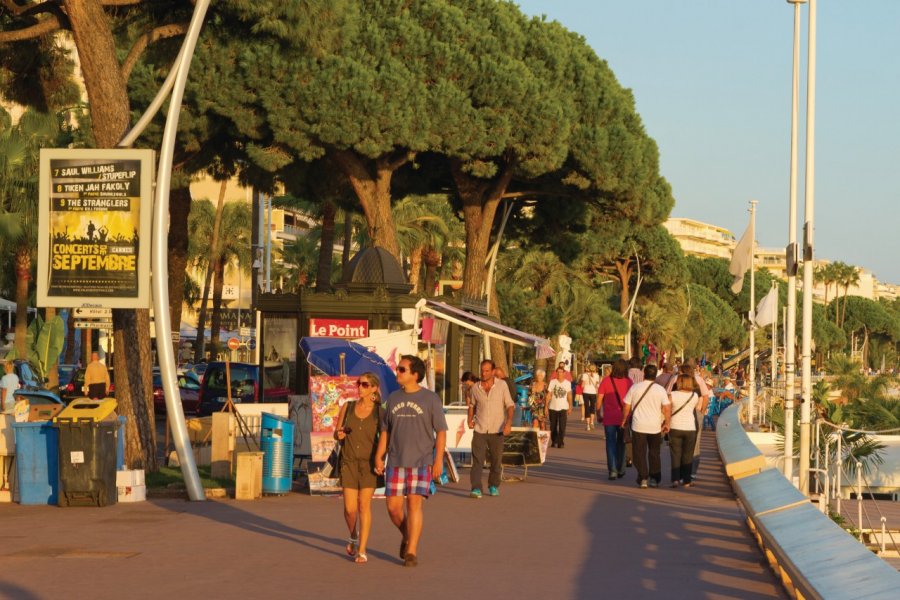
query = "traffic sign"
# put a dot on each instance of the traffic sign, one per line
(234, 343)
(93, 324)
(247, 331)
(251, 343)
(93, 313)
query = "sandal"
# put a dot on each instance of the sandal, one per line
(410, 561)
(352, 545)
(361, 559)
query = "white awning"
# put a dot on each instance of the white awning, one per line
(486, 327)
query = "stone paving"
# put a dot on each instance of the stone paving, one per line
(565, 532)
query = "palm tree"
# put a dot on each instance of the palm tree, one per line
(421, 223)
(848, 276)
(298, 262)
(233, 252)
(20, 146)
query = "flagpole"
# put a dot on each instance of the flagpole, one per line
(752, 377)
(774, 339)
(806, 347)
(790, 323)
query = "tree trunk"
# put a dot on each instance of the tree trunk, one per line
(348, 241)
(106, 91)
(498, 347)
(23, 275)
(216, 326)
(326, 248)
(179, 209)
(70, 357)
(623, 270)
(372, 186)
(480, 200)
(110, 115)
(200, 351)
(415, 268)
(432, 260)
(136, 386)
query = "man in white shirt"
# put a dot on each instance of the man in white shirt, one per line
(490, 416)
(559, 391)
(648, 405)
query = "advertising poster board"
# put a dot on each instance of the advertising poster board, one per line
(94, 213)
(326, 396)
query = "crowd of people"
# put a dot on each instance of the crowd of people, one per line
(399, 442)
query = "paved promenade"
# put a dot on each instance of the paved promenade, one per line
(566, 532)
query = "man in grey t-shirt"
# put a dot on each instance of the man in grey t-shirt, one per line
(413, 436)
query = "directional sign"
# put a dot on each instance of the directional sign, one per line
(251, 343)
(93, 313)
(234, 343)
(93, 324)
(247, 331)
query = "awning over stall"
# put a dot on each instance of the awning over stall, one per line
(485, 326)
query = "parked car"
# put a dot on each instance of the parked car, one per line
(188, 388)
(245, 386)
(73, 389)
(66, 372)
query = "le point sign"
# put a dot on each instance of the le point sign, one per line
(339, 328)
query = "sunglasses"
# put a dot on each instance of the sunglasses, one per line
(363, 384)
(401, 369)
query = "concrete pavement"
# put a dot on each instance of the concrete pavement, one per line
(566, 532)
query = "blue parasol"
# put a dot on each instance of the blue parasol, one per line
(325, 354)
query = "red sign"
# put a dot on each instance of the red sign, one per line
(234, 343)
(339, 328)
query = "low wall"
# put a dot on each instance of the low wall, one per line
(812, 555)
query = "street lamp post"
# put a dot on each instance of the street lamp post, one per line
(806, 349)
(791, 260)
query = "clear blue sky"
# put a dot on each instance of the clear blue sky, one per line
(712, 78)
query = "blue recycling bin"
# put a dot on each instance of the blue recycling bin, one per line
(120, 444)
(37, 462)
(277, 441)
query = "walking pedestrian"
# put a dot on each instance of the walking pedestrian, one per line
(490, 417)
(537, 401)
(610, 399)
(590, 381)
(648, 406)
(359, 426)
(683, 432)
(413, 436)
(560, 405)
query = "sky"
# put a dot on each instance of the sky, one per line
(712, 83)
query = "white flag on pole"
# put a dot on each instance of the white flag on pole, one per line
(741, 259)
(767, 309)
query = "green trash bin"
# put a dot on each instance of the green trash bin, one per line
(87, 462)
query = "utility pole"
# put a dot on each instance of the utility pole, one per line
(806, 349)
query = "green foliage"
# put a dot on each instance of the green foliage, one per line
(44, 341)
(711, 325)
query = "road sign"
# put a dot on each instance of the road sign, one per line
(93, 313)
(93, 324)
(247, 332)
(251, 343)
(234, 343)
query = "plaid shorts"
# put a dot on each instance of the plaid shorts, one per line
(403, 481)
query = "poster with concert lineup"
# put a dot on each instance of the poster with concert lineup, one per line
(95, 228)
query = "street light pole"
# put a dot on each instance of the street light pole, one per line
(790, 325)
(751, 406)
(806, 349)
